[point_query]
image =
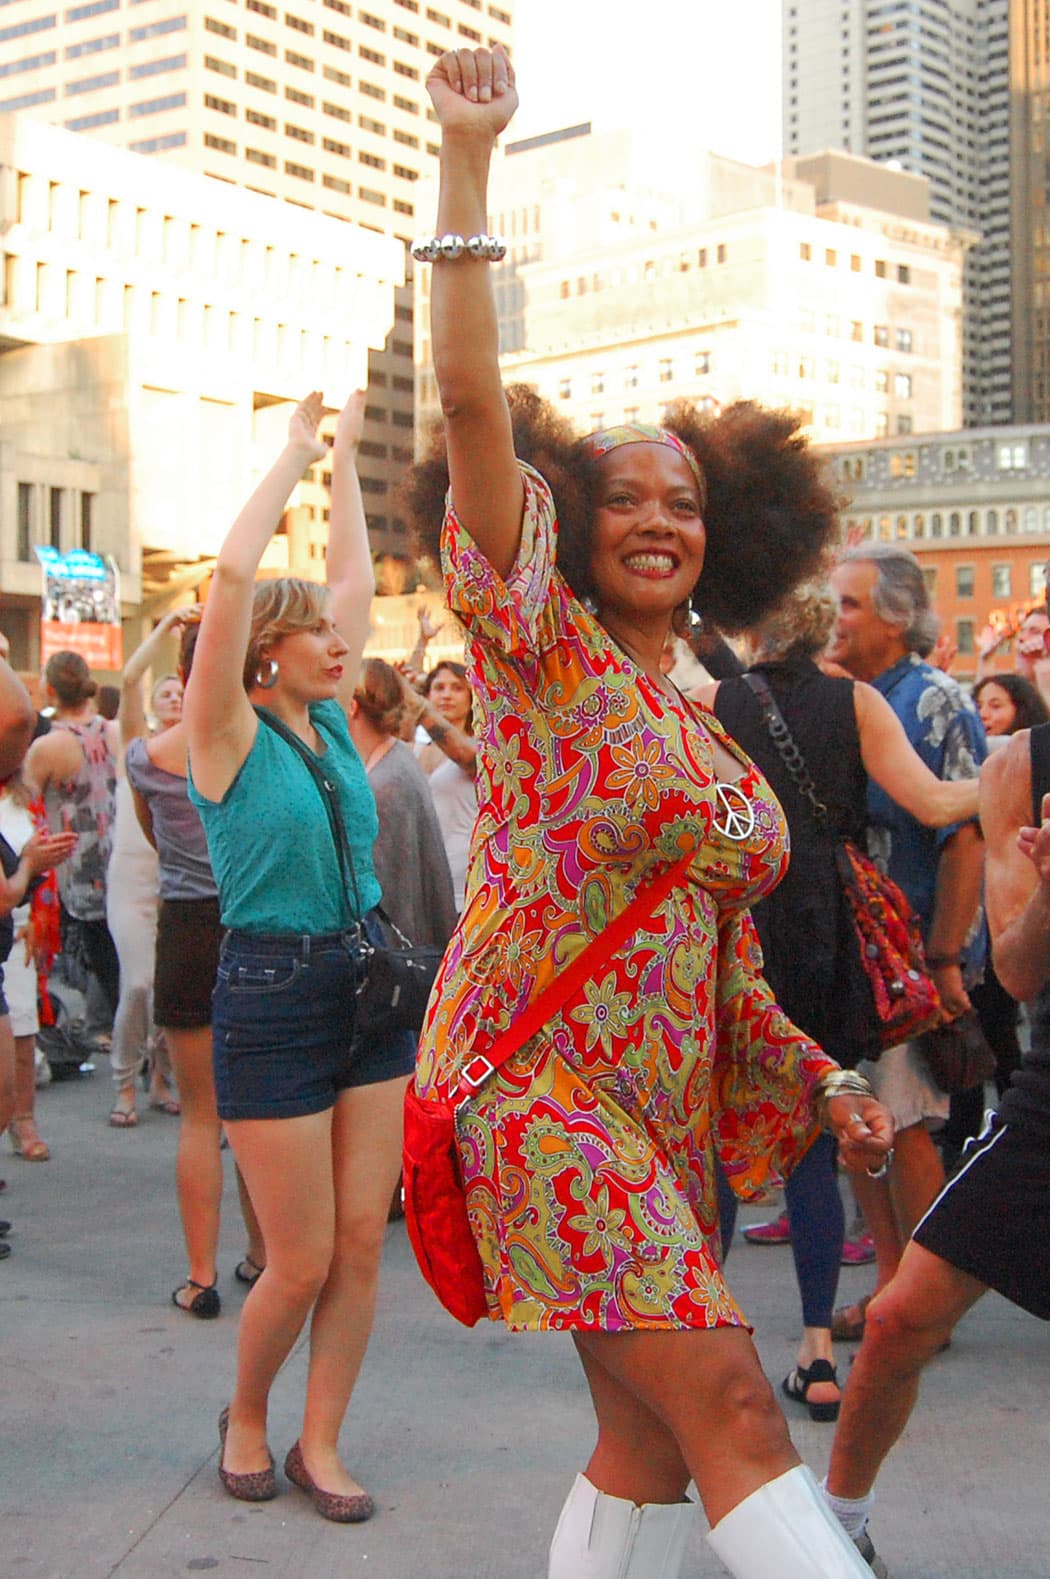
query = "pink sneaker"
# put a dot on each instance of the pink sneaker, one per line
(777, 1232)
(859, 1251)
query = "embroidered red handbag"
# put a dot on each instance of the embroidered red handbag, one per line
(436, 1214)
(906, 1000)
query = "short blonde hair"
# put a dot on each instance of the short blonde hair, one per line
(281, 607)
(802, 623)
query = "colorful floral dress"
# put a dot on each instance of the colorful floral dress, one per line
(588, 1158)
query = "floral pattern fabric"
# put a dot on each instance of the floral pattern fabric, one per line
(588, 1158)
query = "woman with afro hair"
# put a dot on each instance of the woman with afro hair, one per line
(589, 1158)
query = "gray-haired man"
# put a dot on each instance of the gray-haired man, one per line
(884, 630)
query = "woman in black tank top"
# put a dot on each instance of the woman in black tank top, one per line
(844, 730)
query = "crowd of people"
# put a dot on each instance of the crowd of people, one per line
(225, 860)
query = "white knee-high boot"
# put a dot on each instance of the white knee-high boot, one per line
(786, 1528)
(602, 1537)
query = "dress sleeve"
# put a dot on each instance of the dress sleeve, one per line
(763, 1073)
(504, 613)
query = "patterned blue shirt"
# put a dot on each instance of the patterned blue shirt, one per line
(944, 728)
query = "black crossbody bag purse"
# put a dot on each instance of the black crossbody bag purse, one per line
(396, 974)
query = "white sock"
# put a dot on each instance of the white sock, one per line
(852, 1512)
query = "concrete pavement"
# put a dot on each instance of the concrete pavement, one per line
(468, 1440)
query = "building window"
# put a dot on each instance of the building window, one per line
(720, 253)
(87, 508)
(300, 133)
(831, 257)
(597, 383)
(805, 251)
(55, 517)
(297, 97)
(222, 145)
(368, 194)
(903, 339)
(153, 68)
(1037, 579)
(92, 46)
(666, 370)
(299, 170)
(902, 386)
(1011, 457)
(223, 106)
(630, 378)
(335, 183)
(170, 101)
(257, 119)
(214, 26)
(263, 45)
(955, 524)
(25, 522)
(302, 61)
(565, 389)
(1002, 581)
(881, 334)
(106, 79)
(991, 523)
(299, 24)
(85, 123)
(333, 147)
(905, 424)
(880, 268)
(28, 63)
(964, 637)
(171, 24)
(903, 274)
(936, 524)
(256, 156)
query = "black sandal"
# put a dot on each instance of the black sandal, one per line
(796, 1385)
(248, 1271)
(205, 1303)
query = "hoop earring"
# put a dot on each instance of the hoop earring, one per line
(272, 670)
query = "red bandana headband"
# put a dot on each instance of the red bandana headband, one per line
(607, 439)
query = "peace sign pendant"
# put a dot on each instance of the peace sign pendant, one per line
(735, 818)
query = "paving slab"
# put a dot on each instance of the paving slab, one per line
(467, 1440)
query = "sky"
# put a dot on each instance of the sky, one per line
(707, 67)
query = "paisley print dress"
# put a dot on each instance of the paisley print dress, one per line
(588, 1158)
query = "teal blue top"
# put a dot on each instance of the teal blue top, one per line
(271, 844)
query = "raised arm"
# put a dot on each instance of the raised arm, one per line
(351, 579)
(455, 743)
(220, 723)
(132, 713)
(889, 759)
(474, 98)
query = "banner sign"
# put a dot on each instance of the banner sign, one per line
(80, 609)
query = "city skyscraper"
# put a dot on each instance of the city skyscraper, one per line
(926, 85)
(318, 103)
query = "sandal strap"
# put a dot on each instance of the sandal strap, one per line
(191, 1282)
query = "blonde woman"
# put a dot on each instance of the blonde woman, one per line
(315, 1123)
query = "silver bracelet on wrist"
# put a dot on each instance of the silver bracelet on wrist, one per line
(839, 1083)
(429, 249)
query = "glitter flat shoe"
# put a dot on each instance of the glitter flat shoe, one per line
(329, 1504)
(259, 1485)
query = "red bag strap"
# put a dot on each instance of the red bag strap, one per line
(644, 905)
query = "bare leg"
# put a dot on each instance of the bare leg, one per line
(366, 1160)
(873, 1198)
(908, 1322)
(24, 1122)
(916, 1177)
(287, 1167)
(198, 1165)
(256, 1252)
(7, 1072)
(708, 1390)
(636, 1456)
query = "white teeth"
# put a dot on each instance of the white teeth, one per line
(652, 561)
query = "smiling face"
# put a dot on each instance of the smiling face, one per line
(450, 696)
(997, 710)
(647, 550)
(309, 662)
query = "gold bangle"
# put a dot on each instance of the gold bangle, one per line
(839, 1083)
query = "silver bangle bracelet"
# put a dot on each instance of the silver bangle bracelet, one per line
(430, 249)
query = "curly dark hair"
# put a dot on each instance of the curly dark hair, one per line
(1029, 707)
(771, 515)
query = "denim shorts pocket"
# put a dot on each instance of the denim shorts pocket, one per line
(260, 976)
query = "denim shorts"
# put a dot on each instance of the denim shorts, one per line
(283, 1026)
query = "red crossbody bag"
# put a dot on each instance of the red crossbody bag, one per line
(436, 1212)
